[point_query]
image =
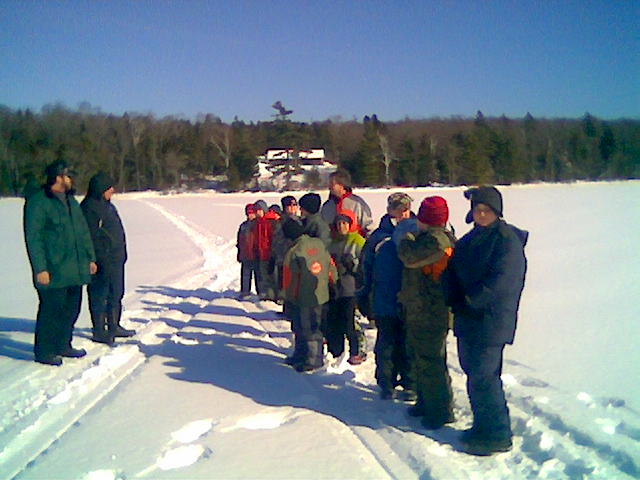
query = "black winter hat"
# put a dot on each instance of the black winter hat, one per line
(292, 229)
(310, 202)
(59, 167)
(487, 195)
(288, 200)
(275, 208)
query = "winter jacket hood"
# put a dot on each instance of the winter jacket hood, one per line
(99, 183)
(103, 220)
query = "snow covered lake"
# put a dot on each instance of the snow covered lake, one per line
(201, 391)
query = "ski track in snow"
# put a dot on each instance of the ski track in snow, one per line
(545, 444)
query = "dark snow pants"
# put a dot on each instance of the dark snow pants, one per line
(57, 314)
(483, 366)
(426, 344)
(106, 289)
(266, 282)
(391, 353)
(341, 322)
(307, 335)
(248, 271)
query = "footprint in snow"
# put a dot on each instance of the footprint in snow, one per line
(186, 454)
(533, 382)
(192, 431)
(179, 339)
(613, 402)
(103, 475)
(181, 457)
(586, 399)
(264, 421)
(607, 425)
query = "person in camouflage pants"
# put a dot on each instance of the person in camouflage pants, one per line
(425, 256)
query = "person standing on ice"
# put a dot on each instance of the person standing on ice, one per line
(343, 200)
(281, 245)
(425, 256)
(308, 270)
(246, 245)
(483, 286)
(381, 282)
(106, 289)
(265, 222)
(314, 224)
(345, 249)
(62, 260)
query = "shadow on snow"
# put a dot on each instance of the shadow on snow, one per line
(245, 359)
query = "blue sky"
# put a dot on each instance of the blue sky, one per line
(324, 58)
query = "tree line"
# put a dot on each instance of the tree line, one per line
(140, 151)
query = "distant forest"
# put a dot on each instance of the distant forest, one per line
(144, 152)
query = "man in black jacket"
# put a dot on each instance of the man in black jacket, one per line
(107, 287)
(483, 285)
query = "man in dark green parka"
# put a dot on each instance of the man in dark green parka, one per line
(62, 260)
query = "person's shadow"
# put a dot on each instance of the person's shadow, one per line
(238, 350)
(12, 348)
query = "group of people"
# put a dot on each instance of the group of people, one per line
(321, 261)
(412, 278)
(70, 245)
(305, 255)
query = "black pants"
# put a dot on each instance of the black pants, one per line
(391, 354)
(57, 314)
(248, 271)
(266, 282)
(341, 322)
(483, 366)
(106, 290)
(305, 324)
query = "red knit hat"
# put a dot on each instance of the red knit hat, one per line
(434, 211)
(249, 208)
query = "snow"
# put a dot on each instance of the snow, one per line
(201, 391)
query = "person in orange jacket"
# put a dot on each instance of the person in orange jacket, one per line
(265, 226)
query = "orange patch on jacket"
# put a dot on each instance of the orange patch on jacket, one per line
(436, 269)
(315, 268)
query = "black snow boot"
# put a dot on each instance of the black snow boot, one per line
(101, 332)
(113, 321)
